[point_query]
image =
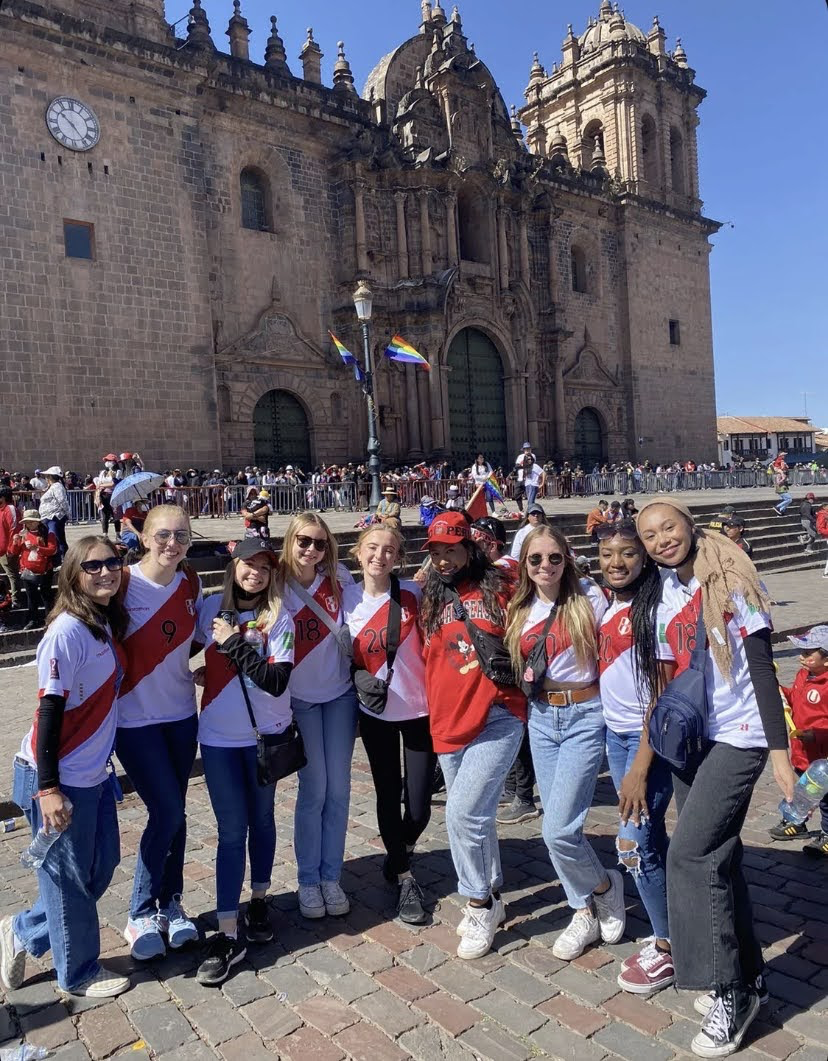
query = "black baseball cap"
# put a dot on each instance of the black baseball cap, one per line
(491, 527)
(248, 547)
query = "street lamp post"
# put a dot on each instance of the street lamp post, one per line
(363, 300)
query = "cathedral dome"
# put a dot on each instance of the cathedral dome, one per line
(609, 26)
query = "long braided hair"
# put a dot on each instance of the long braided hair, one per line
(479, 570)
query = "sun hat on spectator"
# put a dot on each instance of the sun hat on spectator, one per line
(55, 470)
(30, 514)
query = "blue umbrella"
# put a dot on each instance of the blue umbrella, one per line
(136, 487)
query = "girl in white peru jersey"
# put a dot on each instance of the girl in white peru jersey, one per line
(404, 721)
(61, 780)
(630, 676)
(325, 708)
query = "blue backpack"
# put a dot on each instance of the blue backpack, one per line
(678, 722)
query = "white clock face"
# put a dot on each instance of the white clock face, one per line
(72, 123)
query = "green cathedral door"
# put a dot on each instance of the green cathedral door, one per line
(590, 440)
(280, 432)
(477, 409)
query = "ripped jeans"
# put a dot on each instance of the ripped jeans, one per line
(647, 861)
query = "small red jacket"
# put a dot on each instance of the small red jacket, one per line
(8, 527)
(35, 556)
(808, 697)
(822, 522)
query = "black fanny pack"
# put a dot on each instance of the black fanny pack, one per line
(534, 672)
(372, 692)
(495, 661)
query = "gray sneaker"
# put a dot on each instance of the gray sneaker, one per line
(12, 966)
(517, 812)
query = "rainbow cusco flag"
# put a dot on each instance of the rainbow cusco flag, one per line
(346, 356)
(399, 350)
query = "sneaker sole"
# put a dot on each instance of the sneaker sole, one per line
(213, 981)
(527, 817)
(144, 957)
(700, 1050)
(12, 979)
(338, 911)
(477, 954)
(643, 989)
(177, 944)
(313, 913)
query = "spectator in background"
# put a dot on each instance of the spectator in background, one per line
(595, 518)
(455, 501)
(807, 517)
(734, 529)
(37, 484)
(9, 564)
(256, 514)
(104, 483)
(54, 507)
(35, 546)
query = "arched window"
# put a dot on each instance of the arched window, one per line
(677, 166)
(579, 271)
(649, 151)
(594, 131)
(255, 205)
(473, 223)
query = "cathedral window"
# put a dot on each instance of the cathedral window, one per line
(677, 165)
(473, 223)
(254, 200)
(649, 151)
(578, 267)
(78, 239)
(675, 333)
(592, 139)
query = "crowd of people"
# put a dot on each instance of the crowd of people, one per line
(480, 657)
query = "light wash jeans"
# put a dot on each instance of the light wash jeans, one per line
(76, 872)
(567, 748)
(647, 863)
(321, 817)
(474, 781)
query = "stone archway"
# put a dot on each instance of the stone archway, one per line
(476, 395)
(281, 434)
(590, 441)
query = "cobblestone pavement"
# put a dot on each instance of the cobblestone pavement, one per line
(368, 988)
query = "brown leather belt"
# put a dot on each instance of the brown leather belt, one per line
(566, 697)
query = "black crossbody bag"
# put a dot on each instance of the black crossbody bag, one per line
(277, 754)
(372, 692)
(495, 661)
(537, 661)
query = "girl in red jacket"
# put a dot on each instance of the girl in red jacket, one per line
(36, 547)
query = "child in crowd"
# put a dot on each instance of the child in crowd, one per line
(256, 513)
(734, 528)
(808, 697)
(35, 546)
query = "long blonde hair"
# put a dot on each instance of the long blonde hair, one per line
(268, 611)
(326, 566)
(574, 611)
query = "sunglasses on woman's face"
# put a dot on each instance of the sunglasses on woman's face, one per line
(305, 541)
(94, 567)
(536, 559)
(161, 537)
(625, 529)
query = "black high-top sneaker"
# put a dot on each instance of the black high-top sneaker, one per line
(726, 1023)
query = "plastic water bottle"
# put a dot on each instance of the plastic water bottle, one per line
(253, 636)
(810, 789)
(23, 1052)
(35, 853)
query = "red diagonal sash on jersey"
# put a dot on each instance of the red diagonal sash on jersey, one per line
(615, 638)
(557, 640)
(220, 671)
(369, 644)
(171, 626)
(83, 721)
(309, 628)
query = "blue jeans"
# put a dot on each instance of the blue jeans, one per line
(567, 748)
(783, 502)
(158, 760)
(75, 874)
(474, 781)
(321, 817)
(531, 494)
(244, 813)
(58, 528)
(647, 862)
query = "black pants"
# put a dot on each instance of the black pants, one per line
(708, 903)
(106, 516)
(382, 746)
(520, 781)
(38, 593)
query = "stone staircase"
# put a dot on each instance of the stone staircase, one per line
(776, 549)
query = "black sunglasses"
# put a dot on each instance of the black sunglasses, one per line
(536, 559)
(626, 528)
(305, 541)
(94, 567)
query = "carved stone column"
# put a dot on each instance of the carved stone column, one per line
(560, 409)
(412, 410)
(503, 248)
(424, 405)
(425, 234)
(525, 272)
(402, 237)
(451, 228)
(359, 227)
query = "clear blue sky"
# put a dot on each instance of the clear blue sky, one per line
(762, 151)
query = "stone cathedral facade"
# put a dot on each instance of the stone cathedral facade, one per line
(180, 227)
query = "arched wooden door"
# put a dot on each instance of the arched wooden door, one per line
(590, 439)
(477, 409)
(280, 431)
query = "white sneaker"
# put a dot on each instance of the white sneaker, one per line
(612, 914)
(104, 984)
(582, 930)
(482, 925)
(311, 903)
(464, 921)
(336, 901)
(12, 965)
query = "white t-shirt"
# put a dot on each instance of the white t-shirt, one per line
(530, 474)
(73, 664)
(517, 541)
(320, 671)
(158, 685)
(733, 716)
(623, 712)
(367, 619)
(224, 721)
(562, 667)
(481, 473)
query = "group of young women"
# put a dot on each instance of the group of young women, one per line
(455, 665)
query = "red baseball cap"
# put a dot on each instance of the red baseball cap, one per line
(449, 528)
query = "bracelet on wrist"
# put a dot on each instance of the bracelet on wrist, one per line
(54, 791)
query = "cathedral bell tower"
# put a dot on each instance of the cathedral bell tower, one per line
(620, 102)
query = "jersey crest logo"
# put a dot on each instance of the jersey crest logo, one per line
(330, 604)
(54, 670)
(190, 604)
(625, 626)
(813, 696)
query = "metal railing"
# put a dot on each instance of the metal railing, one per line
(222, 502)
